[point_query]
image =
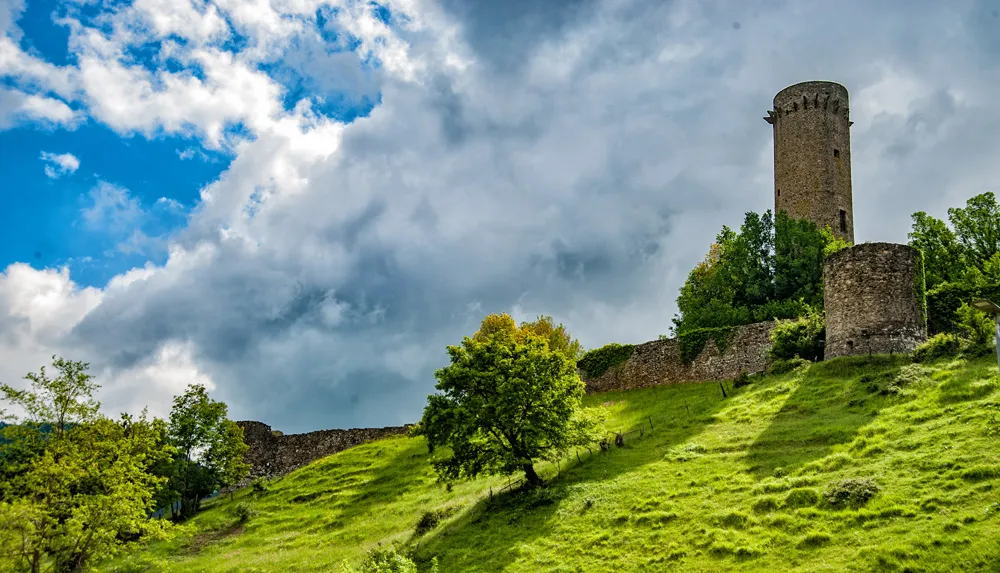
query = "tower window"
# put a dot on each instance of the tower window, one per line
(836, 153)
(843, 221)
(779, 192)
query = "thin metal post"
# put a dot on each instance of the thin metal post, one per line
(996, 319)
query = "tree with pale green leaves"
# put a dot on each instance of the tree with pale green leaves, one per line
(76, 485)
(507, 401)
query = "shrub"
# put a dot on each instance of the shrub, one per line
(596, 362)
(945, 299)
(430, 519)
(380, 560)
(977, 330)
(244, 511)
(782, 366)
(851, 492)
(941, 345)
(259, 485)
(800, 338)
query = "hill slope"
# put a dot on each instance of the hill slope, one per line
(735, 484)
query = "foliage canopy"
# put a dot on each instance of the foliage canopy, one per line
(506, 401)
(772, 268)
(76, 485)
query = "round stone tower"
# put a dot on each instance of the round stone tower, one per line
(874, 300)
(812, 155)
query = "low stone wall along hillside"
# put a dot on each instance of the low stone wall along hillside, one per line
(659, 361)
(274, 455)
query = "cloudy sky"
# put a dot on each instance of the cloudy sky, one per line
(300, 203)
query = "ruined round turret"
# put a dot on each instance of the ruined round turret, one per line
(874, 300)
(812, 155)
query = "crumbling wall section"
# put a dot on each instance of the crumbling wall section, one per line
(273, 455)
(659, 361)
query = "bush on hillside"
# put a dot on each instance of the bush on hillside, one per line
(977, 331)
(259, 485)
(380, 560)
(941, 345)
(944, 301)
(800, 338)
(244, 511)
(430, 519)
(851, 492)
(598, 361)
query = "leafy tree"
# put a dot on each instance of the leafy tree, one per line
(772, 268)
(800, 338)
(977, 227)
(210, 448)
(968, 253)
(77, 486)
(558, 338)
(944, 257)
(800, 248)
(506, 401)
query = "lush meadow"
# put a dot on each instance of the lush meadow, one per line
(858, 464)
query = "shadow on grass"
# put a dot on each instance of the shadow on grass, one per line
(977, 380)
(394, 472)
(488, 535)
(833, 401)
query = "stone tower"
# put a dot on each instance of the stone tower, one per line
(874, 300)
(812, 155)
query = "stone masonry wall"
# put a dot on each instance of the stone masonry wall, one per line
(659, 361)
(272, 456)
(872, 300)
(812, 155)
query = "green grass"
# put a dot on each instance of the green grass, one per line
(736, 484)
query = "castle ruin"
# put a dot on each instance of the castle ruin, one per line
(873, 292)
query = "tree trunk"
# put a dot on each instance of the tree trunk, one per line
(530, 475)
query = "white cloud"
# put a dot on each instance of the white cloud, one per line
(572, 161)
(111, 209)
(17, 107)
(59, 164)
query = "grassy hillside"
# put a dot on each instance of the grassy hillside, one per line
(735, 484)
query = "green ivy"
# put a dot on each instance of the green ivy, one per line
(693, 341)
(920, 287)
(596, 362)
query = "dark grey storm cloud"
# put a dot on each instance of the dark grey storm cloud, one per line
(578, 166)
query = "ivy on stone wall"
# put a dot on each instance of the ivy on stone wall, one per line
(944, 300)
(920, 286)
(693, 341)
(596, 362)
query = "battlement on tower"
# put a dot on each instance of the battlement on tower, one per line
(828, 96)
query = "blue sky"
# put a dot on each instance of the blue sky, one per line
(301, 204)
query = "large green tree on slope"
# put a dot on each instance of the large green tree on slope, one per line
(506, 401)
(76, 485)
(210, 448)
